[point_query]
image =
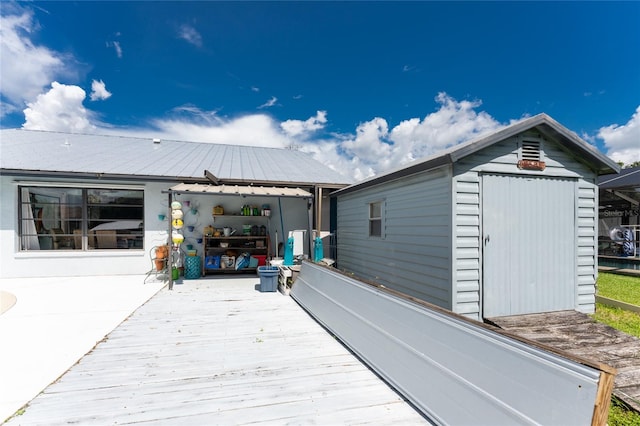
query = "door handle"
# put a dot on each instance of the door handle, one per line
(486, 239)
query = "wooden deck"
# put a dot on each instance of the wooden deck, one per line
(578, 334)
(217, 351)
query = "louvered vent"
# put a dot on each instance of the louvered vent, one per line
(531, 155)
(530, 151)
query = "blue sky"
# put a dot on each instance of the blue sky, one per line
(362, 86)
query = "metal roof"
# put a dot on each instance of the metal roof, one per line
(628, 178)
(34, 152)
(248, 190)
(553, 130)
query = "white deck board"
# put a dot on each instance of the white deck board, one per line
(217, 351)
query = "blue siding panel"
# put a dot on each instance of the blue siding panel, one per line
(414, 255)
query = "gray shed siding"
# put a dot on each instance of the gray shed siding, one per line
(587, 246)
(414, 253)
(467, 256)
(502, 158)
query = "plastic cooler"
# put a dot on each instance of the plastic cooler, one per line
(268, 278)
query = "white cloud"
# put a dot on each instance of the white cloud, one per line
(298, 127)
(99, 91)
(60, 109)
(116, 46)
(271, 102)
(25, 67)
(623, 141)
(190, 35)
(375, 148)
(251, 130)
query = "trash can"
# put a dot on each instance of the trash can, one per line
(268, 278)
(192, 267)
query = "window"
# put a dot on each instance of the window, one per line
(375, 219)
(60, 218)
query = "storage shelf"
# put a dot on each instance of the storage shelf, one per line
(237, 244)
(238, 216)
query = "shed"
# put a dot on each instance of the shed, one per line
(502, 225)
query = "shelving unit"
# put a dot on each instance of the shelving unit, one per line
(237, 243)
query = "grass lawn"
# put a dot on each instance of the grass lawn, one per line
(619, 287)
(625, 289)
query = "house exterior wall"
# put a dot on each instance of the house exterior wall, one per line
(414, 253)
(15, 263)
(502, 158)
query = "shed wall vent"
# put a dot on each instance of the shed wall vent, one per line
(530, 150)
(530, 155)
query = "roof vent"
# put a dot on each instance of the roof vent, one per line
(155, 140)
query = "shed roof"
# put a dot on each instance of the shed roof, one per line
(34, 152)
(547, 126)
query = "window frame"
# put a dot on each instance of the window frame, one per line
(380, 220)
(125, 240)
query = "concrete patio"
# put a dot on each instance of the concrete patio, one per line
(212, 351)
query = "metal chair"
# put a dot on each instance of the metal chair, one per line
(159, 263)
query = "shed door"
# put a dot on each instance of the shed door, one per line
(529, 234)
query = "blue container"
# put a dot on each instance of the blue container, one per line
(288, 252)
(268, 278)
(192, 267)
(318, 251)
(212, 262)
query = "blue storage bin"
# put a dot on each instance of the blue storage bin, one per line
(212, 262)
(268, 278)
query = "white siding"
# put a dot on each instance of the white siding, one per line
(414, 255)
